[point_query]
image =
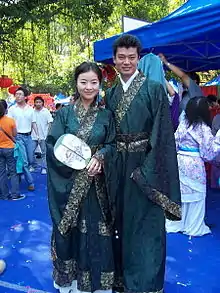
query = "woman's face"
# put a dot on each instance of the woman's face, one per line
(88, 85)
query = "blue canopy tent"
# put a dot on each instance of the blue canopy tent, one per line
(189, 37)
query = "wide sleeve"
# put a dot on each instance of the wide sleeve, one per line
(108, 155)
(158, 176)
(194, 89)
(209, 145)
(57, 129)
(109, 144)
(59, 176)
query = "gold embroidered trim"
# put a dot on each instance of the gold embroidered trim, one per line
(134, 146)
(87, 123)
(103, 200)
(127, 98)
(84, 281)
(104, 230)
(79, 110)
(107, 279)
(172, 209)
(64, 271)
(82, 226)
(166, 204)
(78, 194)
(99, 157)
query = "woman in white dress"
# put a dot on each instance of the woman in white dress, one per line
(195, 144)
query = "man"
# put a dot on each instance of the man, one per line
(190, 82)
(23, 115)
(43, 120)
(147, 175)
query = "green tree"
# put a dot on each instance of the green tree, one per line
(41, 41)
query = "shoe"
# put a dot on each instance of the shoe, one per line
(17, 197)
(31, 169)
(43, 171)
(31, 187)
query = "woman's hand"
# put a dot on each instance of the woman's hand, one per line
(94, 167)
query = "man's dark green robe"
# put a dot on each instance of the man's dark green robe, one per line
(148, 183)
(80, 206)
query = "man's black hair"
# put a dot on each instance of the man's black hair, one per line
(127, 41)
(58, 105)
(39, 98)
(24, 90)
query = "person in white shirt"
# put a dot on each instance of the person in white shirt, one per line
(23, 114)
(43, 120)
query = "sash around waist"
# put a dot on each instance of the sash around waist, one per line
(132, 142)
(189, 151)
(127, 138)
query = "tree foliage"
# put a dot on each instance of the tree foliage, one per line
(41, 41)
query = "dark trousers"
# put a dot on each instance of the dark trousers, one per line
(8, 166)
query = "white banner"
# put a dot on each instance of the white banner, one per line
(129, 23)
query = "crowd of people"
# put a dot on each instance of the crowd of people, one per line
(146, 176)
(23, 128)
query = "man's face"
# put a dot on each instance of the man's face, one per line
(126, 61)
(19, 96)
(38, 104)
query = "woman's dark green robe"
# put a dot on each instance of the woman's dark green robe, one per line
(148, 183)
(81, 209)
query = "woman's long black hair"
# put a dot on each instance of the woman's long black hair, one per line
(197, 111)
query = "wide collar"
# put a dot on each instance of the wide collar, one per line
(126, 84)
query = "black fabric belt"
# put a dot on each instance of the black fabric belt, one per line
(26, 134)
(127, 138)
(133, 142)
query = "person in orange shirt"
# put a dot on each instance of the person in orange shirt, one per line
(7, 161)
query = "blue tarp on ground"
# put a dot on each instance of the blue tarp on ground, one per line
(189, 37)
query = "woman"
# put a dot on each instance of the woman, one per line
(7, 161)
(195, 144)
(81, 209)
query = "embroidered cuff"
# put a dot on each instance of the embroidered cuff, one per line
(172, 210)
(100, 157)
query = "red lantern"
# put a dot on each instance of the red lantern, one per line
(5, 82)
(13, 89)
